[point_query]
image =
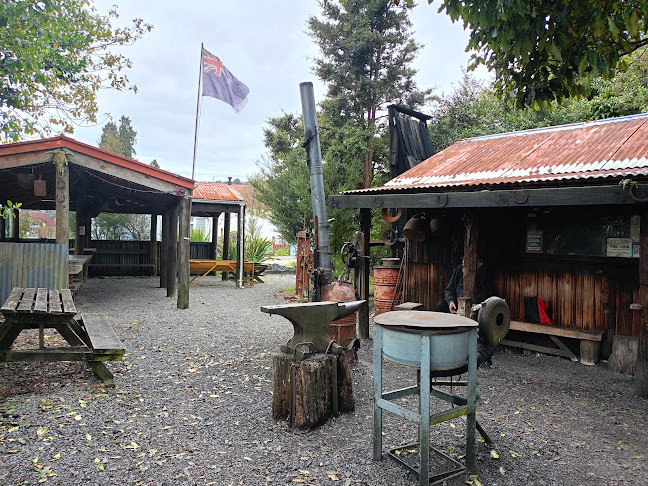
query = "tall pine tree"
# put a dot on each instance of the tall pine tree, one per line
(366, 59)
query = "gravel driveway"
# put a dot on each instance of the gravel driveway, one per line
(192, 405)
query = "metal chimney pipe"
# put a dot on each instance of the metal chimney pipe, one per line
(314, 159)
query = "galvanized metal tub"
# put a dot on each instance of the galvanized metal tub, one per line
(449, 338)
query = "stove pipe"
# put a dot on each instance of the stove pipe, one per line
(314, 159)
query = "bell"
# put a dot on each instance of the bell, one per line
(416, 228)
(40, 187)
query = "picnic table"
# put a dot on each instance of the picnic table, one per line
(204, 267)
(90, 336)
(78, 270)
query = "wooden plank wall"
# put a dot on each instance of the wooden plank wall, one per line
(591, 301)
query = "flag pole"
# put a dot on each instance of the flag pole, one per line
(193, 166)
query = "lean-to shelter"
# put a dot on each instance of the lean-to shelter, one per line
(558, 213)
(65, 175)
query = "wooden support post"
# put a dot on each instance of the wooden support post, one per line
(183, 253)
(62, 198)
(641, 374)
(15, 226)
(213, 248)
(80, 236)
(172, 249)
(240, 246)
(365, 261)
(164, 248)
(226, 237)
(153, 245)
(471, 233)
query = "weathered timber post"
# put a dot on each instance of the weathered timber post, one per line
(471, 241)
(183, 253)
(153, 245)
(80, 236)
(365, 263)
(240, 246)
(15, 225)
(164, 249)
(213, 247)
(172, 249)
(62, 198)
(226, 237)
(641, 374)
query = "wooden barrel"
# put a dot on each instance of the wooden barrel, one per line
(385, 280)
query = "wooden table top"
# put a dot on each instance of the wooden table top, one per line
(39, 301)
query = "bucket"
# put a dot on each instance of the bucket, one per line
(385, 280)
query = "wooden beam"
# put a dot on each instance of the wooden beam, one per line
(15, 225)
(641, 374)
(62, 198)
(240, 246)
(164, 248)
(213, 247)
(226, 237)
(550, 196)
(365, 265)
(471, 242)
(153, 243)
(172, 249)
(183, 253)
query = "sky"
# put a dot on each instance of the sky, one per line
(264, 43)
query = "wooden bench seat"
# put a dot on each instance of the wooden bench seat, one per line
(590, 341)
(103, 338)
(105, 344)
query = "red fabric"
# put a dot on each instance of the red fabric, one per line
(542, 310)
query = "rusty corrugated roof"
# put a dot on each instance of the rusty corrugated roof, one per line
(612, 148)
(216, 191)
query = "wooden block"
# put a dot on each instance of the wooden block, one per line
(589, 352)
(624, 354)
(308, 392)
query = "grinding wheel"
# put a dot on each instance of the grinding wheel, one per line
(494, 319)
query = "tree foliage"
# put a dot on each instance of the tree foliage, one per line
(545, 50)
(474, 109)
(366, 59)
(119, 139)
(54, 57)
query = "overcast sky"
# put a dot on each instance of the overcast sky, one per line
(265, 45)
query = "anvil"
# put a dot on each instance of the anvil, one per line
(311, 321)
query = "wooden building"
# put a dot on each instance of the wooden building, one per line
(558, 213)
(66, 175)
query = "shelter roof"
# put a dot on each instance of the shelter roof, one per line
(216, 191)
(599, 150)
(105, 181)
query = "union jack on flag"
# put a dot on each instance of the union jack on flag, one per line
(219, 83)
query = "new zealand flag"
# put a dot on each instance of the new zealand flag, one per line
(219, 83)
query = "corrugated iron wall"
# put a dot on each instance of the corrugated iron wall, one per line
(32, 265)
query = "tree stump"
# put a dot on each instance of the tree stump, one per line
(307, 392)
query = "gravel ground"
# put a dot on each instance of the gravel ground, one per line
(192, 405)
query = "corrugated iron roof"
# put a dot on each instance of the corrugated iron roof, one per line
(216, 191)
(612, 148)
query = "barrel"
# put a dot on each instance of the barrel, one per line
(342, 331)
(385, 280)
